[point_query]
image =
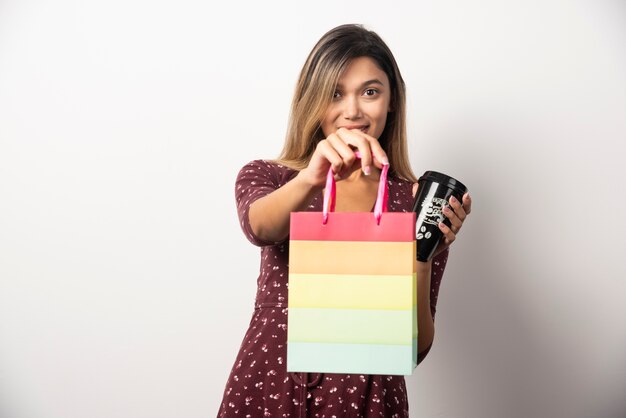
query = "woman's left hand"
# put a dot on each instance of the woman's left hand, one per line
(457, 213)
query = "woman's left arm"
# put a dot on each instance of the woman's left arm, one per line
(425, 322)
(426, 326)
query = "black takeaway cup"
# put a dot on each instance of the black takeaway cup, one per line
(433, 194)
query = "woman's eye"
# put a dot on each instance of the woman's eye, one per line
(336, 95)
(370, 92)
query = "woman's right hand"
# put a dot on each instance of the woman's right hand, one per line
(269, 215)
(338, 151)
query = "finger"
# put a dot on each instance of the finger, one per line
(373, 146)
(352, 137)
(379, 153)
(342, 148)
(330, 154)
(455, 221)
(416, 186)
(448, 235)
(467, 203)
(458, 208)
(344, 151)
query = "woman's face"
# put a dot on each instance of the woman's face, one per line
(361, 101)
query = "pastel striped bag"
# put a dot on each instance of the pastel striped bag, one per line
(352, 304)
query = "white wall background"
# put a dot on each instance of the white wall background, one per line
(125, 282)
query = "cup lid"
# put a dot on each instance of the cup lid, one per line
(444, 179)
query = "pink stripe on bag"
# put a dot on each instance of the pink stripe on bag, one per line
(351, 226)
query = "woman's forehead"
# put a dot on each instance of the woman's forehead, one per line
(362, 71)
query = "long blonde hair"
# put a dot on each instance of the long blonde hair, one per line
(315, 88)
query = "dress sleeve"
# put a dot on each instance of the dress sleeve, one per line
(255, 180)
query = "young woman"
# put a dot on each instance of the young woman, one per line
(350, 97)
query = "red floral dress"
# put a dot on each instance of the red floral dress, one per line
(259, 384)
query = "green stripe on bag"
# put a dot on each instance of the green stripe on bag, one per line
(357, 326)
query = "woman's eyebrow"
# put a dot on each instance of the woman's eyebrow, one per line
(365, 83)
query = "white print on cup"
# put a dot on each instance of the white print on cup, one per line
(433, 210)
(421, 233)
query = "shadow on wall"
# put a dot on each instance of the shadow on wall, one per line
(510, 342)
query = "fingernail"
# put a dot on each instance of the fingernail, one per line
(453, 199)
(367, 170)
(385, 161)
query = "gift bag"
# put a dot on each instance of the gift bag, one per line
(352, 301)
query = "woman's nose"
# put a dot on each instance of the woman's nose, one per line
(352, 108)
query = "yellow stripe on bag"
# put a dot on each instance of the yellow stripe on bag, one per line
(352, 291)
(350, 257)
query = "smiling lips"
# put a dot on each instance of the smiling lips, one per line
(362, 128)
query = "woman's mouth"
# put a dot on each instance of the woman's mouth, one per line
(362, 128)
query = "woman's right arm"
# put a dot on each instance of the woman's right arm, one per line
(269, 215)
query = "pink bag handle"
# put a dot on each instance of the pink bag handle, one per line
(330, 194)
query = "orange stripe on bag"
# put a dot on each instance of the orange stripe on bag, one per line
(350, 257)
